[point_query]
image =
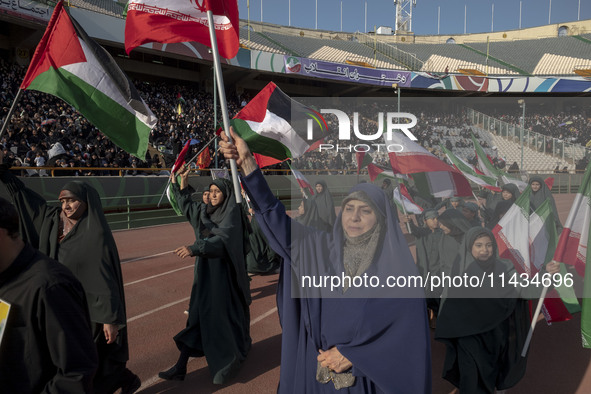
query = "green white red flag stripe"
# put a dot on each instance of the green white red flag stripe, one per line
(510, 234)
(573, 241)
(411, 158)
(169, 21)
(470, 173)
(561, 301)
(70, 65)
(302, 181)
(274, 125)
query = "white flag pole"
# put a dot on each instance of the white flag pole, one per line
(222, 97)
(534, 321)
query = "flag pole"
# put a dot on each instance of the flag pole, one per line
(402, 200)
(187, 163)
(11, 112)
(222, 97)
(533, 322)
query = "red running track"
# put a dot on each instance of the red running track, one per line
(158, 284)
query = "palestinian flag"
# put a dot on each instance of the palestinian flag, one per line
(380, 173)
(303, 183)
(169, 21)
(70, 65)
(561, 301)
(404, 201)
(363, 160)
(470, 173)
(441, 179)
(170, 195)
(274, 125)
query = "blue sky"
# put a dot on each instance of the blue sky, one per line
(424, 21)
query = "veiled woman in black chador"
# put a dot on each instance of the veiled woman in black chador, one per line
(218, 326)
(484, 328)
(324, 204)
(78, 236)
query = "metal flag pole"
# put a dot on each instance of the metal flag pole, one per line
(187, 163)
(11, 112)
(223, 103)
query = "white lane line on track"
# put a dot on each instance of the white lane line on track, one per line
(156, 276)
(154, 379)
(156, 310)
(146, 257)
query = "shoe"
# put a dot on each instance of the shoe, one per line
(131, 383)
(174, 373)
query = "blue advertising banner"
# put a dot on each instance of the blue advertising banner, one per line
(345, 72)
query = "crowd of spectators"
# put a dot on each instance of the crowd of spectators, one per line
(45, 131)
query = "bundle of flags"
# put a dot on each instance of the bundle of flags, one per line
(529, 241)
(429, 172)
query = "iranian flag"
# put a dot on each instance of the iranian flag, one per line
(572, 248)
(561, 301)
(411, 158)
(470, 173)
(572, 245)
(303, 183)
(511, 235)
(489, 170)
(169, 21)
(274, 125)
(70, 65)
(404, 201)
(483, 162)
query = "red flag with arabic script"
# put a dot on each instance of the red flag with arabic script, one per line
(169, 21)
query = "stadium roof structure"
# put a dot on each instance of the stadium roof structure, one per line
(504, 62)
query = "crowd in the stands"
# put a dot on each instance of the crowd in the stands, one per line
(45, 131)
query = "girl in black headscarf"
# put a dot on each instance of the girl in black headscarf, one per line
(509, 192)
(218, 326)
(324, 203)
(540, 193)
(484, 329)
(78, 236)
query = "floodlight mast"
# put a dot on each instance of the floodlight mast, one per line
(404, 15)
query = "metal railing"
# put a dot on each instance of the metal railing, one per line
(408, 60)
(558, 148)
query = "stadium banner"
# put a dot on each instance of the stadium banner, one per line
(345, 72)
(510, 84)
(27, 9)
